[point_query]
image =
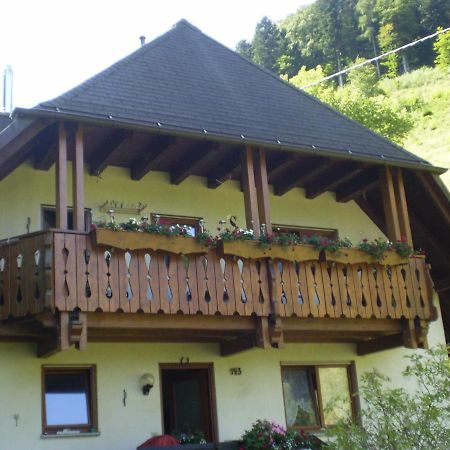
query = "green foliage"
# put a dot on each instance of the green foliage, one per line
(245, 48)
(442, 49)
(377, 113)
(268, 44)
(388, 39)
(395, 419)
(425, 93)
(362, 100)
(364, 79)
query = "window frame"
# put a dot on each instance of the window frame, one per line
(45, 209)
(352, 388)
(172, 219)
(330, 233)
(90, 371)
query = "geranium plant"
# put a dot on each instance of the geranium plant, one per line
(265, 435)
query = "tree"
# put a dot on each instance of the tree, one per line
(442, 49)
(403, 20)
(395, 419)
(387, 39)
(374, 111)
(245, 48)
(268, 44)
(368, 23)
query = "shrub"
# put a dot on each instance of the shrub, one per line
(395, 419)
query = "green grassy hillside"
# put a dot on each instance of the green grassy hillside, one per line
(425, 93)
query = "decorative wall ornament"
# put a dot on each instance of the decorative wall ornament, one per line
(123, 207)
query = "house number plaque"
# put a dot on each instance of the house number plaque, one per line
(236, 371)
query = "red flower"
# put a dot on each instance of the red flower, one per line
(93, 227)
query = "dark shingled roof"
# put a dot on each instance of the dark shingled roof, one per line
(187, 82)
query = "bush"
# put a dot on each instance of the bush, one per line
(395, 419)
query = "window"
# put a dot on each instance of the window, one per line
(68, 399)
(318, 396)
(49, 218)
(329, 233)
(191, 223)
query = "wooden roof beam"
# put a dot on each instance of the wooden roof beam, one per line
(337, 177)
(356, 187)
(106, 150)
(13, 140)
(45, 149)
(159, 147)
(437, 195)
(195, 158)
(280, 166)
(303, 172)
(225, 169)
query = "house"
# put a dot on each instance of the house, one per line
(109, 337)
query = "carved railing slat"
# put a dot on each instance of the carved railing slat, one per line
(64, 270)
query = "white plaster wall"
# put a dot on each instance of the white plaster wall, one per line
(257, 393)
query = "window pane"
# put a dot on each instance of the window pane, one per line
(299, 397)
(335, 392)
(66, 399)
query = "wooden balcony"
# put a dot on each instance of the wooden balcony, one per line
(62, 286)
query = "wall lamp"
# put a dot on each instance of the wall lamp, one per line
(147, 381)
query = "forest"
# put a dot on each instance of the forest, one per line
(334, 33)
(405, 97)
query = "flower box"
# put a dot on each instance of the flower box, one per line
(356, 256)
(138, 240)
(254, 250)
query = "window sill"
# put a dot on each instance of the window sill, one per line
(70, 434)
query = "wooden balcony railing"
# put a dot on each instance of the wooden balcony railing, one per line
(65, 271)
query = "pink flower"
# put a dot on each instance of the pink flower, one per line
(93, 227)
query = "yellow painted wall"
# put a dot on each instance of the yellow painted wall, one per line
(24, 191)
(257, 393)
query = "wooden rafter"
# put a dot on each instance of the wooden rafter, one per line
(283, 164)
(45, 149)
(14, 140)
(225, 169)
(436, 194)
(372, 212)
(107, 149)
(332, 180)
(357, 186)
(195, 157)
(159, 147)
(303, 172)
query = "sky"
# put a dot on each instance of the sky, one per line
(53, 45)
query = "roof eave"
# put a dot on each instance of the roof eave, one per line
(184, 132)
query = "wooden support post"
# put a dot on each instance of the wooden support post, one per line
(409, 334)
(61, 180)
(250, 196)
(262, 189)
(78, 182)
(400, 196)
(389, 204)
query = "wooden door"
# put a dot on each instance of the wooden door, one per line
(187, 404)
